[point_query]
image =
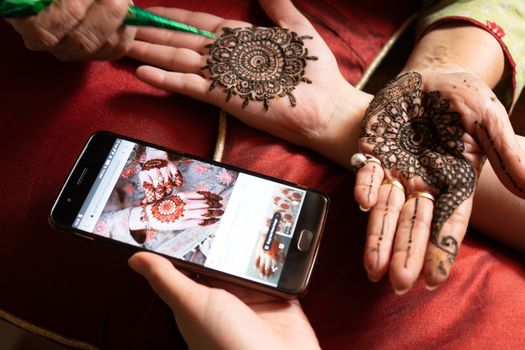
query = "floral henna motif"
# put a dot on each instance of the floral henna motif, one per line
(169, 209)
(416, 133)
(258, 63)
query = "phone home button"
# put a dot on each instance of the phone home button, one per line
(305, 240)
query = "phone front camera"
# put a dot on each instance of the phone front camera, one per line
(69, 200)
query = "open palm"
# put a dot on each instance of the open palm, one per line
(322, 106)
(427, 132)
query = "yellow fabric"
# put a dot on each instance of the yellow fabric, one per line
(505, 19)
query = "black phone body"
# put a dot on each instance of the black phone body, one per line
(267, 237)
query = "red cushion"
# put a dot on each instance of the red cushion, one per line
(86, 291)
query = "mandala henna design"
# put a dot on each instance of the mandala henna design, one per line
(258, 63)
(155, 164)
(417, 134)
(168, 209)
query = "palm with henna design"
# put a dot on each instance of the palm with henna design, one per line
(184, 210)
(427, 132)
(322, 108)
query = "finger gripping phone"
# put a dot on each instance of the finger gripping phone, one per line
(206, 217)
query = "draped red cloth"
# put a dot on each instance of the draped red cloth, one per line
(86, 291)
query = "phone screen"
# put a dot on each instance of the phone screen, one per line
(187, 209)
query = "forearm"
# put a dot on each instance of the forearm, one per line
(459, 47)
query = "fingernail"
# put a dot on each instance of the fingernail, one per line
(401, 291)
(374, 279)
(364, 209)
(431, 288)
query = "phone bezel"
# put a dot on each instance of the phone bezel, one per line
(298, 265)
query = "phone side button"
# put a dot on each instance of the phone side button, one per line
(305, 240)
(85, 237)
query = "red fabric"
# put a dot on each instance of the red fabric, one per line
(86, 291)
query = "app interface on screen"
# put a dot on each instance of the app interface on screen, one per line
(191, 210)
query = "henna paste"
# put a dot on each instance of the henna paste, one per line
(416, 133)
(500, 160)
(258, 63)
(383, 226)
(412, 223)
(168, 209)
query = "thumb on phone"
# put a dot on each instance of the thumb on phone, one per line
(208, 318)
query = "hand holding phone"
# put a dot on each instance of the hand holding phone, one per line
(225, 316)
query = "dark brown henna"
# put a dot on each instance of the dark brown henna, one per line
(502, 165)
(211, 196)
(258, 64)
(208, 222)
(417, 134)
(412, 223)
(213, 213)
(383, 226)
(213, 204)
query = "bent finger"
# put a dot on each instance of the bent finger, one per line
(180, 292)
(46, 29)
(103, 18)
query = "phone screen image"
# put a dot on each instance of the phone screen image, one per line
(191, 210)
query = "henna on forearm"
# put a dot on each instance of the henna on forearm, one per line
(258, 64)
(415, 133)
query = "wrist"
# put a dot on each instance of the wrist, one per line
(459, 47)
(339, 140)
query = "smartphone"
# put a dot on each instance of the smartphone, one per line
(207, 217)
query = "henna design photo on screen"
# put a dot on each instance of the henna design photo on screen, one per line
(258, 64)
